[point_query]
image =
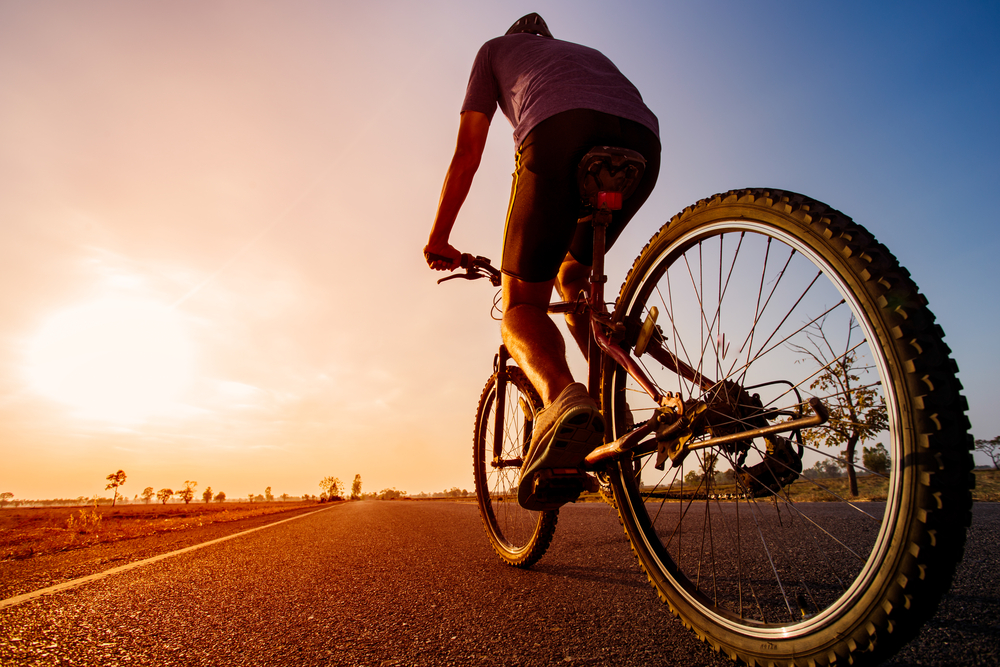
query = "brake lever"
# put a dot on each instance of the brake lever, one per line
(475, 268)
(468, 275)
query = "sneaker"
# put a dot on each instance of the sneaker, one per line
(565, 432)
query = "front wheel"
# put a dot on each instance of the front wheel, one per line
(504, 419)
(827, 545)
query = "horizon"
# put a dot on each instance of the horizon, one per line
(212, 214)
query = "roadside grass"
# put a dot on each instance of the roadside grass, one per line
(875, 488)
(987, 486)
(871, 488)
(30, 531)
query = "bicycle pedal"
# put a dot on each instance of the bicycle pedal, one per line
(553, 488)
(571, 478)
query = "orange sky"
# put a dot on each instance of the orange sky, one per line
(211, 217)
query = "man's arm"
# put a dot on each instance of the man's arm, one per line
(472, 130)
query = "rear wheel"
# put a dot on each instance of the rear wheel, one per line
(519, 536)
(769, 299)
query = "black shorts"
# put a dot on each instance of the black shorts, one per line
(545, 197)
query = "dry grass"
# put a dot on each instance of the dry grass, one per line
(25, 532)
(871, 488)
(987, 486)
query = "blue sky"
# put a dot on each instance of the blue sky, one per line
(268, 173)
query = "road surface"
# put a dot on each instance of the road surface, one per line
(408, 583)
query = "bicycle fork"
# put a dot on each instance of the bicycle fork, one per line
(500, 386)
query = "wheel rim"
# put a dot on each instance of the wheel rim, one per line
(773, 567)
(512, 527)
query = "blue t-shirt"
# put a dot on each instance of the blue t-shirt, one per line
(533, 78)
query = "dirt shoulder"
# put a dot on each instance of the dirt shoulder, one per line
(38, 562)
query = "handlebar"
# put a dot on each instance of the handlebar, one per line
(475, 268)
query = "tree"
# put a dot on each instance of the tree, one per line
(331, 487)
(164, 495)
(207, 494)
(707, 465)
(850, 393)
(284, 497)
(115, 480)
(356, 488)
(5, 498)
(992, 449)
(727, 476)
(187, 493)
(823, 468)
(147, 494)
(220, 497)
(390, 494)
(876, 459)
(267, 494)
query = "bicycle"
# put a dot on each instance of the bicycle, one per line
(788, 330)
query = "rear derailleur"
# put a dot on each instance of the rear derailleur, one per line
(731, 418)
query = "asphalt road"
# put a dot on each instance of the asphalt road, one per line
(415, 583)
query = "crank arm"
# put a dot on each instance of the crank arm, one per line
(506, 463)
(623, 445)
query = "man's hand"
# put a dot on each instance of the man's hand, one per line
(472, 130)
(442, 257)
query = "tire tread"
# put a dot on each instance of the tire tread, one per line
(944, 495)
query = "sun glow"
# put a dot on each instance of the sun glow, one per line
(116, 360)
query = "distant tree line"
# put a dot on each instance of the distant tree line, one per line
(332, 489)
(875, 460)
(453, 492)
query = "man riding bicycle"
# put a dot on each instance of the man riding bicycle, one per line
(562, 99)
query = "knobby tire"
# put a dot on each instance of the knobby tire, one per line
(519, 536)
(764, 286)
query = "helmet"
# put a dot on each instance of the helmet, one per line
(532, 23)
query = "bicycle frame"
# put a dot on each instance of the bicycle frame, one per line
(607, 330)
(761, 575)
(602, 344)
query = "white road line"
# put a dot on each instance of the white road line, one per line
(58, 588)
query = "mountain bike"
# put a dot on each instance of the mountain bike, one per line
(757, 332)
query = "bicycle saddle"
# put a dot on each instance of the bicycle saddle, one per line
(610, 170)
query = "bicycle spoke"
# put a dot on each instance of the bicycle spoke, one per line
(710, 289)
(519, 536)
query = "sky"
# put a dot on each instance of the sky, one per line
(212, 212)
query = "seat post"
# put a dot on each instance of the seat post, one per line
(607, 176)
(597, 278)
(602, 217)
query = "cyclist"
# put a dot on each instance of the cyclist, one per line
(562, 99)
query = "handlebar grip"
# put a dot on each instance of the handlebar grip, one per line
(463, 262)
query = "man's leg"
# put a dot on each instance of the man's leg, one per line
(532, 338)
(570, 425)
(573, 279)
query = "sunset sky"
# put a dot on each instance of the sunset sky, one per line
(212, 212)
